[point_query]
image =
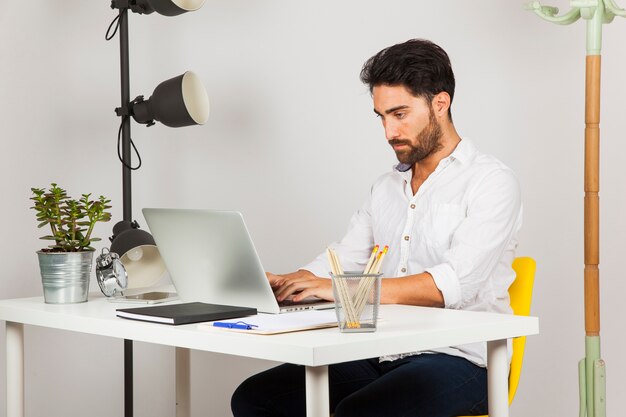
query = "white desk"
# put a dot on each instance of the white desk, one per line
(403, 329)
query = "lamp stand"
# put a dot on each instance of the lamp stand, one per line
(592, 371)
(170, 100)
(126, 189)
(125, 93)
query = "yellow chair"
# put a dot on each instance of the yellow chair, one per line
(521, 292)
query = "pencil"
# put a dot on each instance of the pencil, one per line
(366, 284)
(367, 270)
(379, 262)
(342, 290)
(353, 318)
(371, 260)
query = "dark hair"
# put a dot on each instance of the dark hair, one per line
(417, 64)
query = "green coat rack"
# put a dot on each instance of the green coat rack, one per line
(591, 369)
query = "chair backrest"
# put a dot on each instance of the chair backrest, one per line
(521, 292)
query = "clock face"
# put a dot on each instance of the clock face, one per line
(120, 273)
(112, 276)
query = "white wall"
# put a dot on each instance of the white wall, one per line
(292, 142)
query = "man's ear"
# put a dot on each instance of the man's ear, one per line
(441, 104)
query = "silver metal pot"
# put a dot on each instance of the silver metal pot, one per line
(65, 276)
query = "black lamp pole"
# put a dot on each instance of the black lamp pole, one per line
(126, 189)
(125, 78)
(168, 106)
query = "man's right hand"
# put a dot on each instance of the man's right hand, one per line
(300, 285)
(277, 281)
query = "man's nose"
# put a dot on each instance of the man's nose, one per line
(391, 131)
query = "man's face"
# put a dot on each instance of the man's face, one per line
(410, 124)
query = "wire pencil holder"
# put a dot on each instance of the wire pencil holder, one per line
(357, 297)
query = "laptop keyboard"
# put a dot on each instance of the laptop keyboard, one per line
(290, 303)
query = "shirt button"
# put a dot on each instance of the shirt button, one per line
(406, 238)
(403, 270)
(412, 206)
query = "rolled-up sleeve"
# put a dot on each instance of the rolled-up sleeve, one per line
(447, 282)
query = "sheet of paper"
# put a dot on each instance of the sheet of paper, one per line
(282, 323)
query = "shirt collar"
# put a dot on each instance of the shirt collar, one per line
(464, 151)
(402, 167)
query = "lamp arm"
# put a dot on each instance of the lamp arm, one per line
(140, 110)
(549, 13)
(136, 6)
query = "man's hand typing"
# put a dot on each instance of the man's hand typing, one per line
(299, 285)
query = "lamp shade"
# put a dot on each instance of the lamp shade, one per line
(177, 102)
(167, 7)
(138, 253)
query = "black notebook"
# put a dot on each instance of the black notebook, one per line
(185, 313)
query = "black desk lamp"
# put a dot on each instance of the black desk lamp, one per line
(177, 102)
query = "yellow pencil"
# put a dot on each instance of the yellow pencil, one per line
(365, 288)
(379, 261)
(371, 260)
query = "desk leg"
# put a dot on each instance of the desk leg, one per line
(498, 378)
(183, 382)
(128, 378)
(317, 398)
(15, 369)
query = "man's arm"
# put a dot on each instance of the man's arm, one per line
(476, 247)
(419, 289)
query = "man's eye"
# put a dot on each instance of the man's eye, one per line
(400, 115)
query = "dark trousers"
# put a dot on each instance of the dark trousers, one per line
(426, 385)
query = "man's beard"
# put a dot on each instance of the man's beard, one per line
(428, 142)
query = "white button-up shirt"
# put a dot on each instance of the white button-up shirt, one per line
(460, 227)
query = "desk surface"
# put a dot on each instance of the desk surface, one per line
(401, 329)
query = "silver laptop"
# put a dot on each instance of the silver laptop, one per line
(211, 258)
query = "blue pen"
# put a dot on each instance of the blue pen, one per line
(238, 325)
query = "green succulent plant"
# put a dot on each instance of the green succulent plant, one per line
(71, 221)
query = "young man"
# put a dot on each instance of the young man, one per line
(450, 216)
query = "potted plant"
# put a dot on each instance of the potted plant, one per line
(66, 264)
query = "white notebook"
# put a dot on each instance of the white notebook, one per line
(278, 323)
